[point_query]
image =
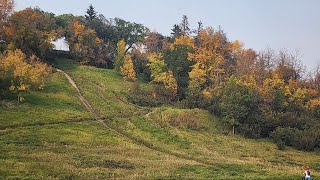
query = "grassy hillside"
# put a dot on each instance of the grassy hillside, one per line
(58, 102)
(52, 136)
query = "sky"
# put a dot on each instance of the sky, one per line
(259, 24)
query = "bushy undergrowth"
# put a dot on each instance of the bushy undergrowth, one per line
(181, 118)
(143, 97)
(302, 139)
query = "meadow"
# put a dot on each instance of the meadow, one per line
(51, 135)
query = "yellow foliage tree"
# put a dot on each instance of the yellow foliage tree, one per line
(164, 80)
(20, 74)
(156, 64)
(211, 51)
(167, 80)
(198, 75)
(127, 69)
(182, 41)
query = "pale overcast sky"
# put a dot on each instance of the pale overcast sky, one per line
(291, 24)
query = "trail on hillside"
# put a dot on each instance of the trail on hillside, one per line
(125, 134)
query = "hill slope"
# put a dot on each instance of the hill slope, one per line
(53, 136)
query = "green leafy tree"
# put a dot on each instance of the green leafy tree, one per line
(121, 53)
(156, 65)
(176, 57)
(239, 105)
(131, 33)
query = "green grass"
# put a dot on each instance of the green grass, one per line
(151, 143)
(77, 150)
(57, 102)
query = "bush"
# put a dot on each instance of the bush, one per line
(180, 118)
(286, 136)
(19, 73)
(144, 100)
(142, 97)
(281, 145)
(308, 139)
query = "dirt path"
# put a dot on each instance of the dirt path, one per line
(126, 135)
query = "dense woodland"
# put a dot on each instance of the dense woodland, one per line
(256, 94)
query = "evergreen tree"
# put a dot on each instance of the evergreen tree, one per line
(91, 13)
(184, 26)
(176, 31)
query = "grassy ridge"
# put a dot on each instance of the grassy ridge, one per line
(182, 149)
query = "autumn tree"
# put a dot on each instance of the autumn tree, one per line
(154, 42)
(210, 56)
(6, 7)
(127, 69)
(265, 64)
(165, 84)
(246, 61)
(140, 61)
(86, 46)
(289, 66)
(31, 30)
(19, 74)
(197, 85)
(316, 77)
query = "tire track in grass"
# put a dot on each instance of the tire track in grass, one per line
(105, 123)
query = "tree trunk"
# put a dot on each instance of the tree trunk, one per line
(233, 130)
(18, 99)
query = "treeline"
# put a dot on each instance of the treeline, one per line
(256, 94)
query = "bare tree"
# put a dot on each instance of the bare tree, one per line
(6, 8)
(289, 65)
(265, 64)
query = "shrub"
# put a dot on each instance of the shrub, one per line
(286, 136)
(308, 139)
(179, 118)
(19, 73)
(142, 97)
